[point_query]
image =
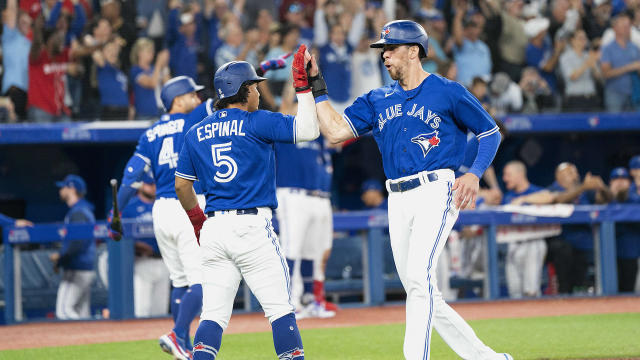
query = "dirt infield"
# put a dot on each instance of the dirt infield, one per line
(88, 332)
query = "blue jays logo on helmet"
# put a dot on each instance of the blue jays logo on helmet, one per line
(427, 141)
(403, 32)
(175, 87)
(230, 77)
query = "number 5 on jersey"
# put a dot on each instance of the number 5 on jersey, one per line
(167, 155)
(221, 160)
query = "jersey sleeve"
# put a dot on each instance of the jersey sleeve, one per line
(185, 168)
(144, 149)
(360, 116)
(272, 126)
(468, 111)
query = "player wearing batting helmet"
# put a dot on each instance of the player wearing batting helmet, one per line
(420, 123)
(231, 153)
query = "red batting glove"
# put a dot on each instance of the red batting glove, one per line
(197, 218)
(300, 79)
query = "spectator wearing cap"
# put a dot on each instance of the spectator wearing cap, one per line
(335, 54)
(579, 69)
(436, 27)
(513, 40)
(113, 84)
(634, 189)
(372, 195)
(76, 257)
(16, 35)
(146, 78)
(506, 95)
(182, 40)
(472, 55)
(540, 52)
(597, 20)
(627, 234)
(620, 64)
(112, 11)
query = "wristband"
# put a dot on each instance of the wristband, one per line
(318, 85)
(322, 98)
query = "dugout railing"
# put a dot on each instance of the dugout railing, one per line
(373, 223)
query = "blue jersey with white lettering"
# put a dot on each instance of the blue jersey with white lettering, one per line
(232, 153)
(160, 146)
(421, 129)
(299, 165)
(140, 210)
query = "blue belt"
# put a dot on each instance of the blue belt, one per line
(250, 211)
(407, 185)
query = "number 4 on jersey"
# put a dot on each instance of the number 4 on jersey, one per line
(167, 155)
(220, 160)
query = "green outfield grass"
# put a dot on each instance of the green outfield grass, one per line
(562, 337)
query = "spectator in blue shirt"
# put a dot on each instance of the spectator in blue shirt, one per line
(77, 257)
(146, 78)
(112, 82)
(472, 55)
(620, 63)
(436, 27)
(15, 63)
(540, 52)
(183, 42)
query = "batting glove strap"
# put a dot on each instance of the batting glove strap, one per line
(319, 87)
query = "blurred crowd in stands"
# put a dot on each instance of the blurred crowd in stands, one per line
(106, 59)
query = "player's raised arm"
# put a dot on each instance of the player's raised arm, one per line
(306, 123)
(332, 125)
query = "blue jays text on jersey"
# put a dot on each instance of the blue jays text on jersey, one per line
(231, 152)
(160, 146)
(421, 129)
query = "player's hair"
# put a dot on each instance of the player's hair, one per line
(241, 97)
(140, 44)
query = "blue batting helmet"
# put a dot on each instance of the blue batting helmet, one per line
(403, 32)
(634, 163)
(230, 77)
(175, 87)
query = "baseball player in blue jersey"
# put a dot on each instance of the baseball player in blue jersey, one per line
(420, 123)
(304, 218)
(77, 257)
(231, 153)
(157, 151)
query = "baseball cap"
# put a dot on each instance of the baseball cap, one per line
(186, 18)
(295, 8)
(619, 173)
(371, 184)
(430, 14)
(535, 26)
(634, 163)
(73, 181)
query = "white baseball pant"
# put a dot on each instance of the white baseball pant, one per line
(420, 221)
(151, 287)
(177, 241)
(523, 268)
(74, 294)
(242, 246)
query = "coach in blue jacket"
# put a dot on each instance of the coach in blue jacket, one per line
(77, 257)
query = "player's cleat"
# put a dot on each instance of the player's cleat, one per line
(173, 345)
(506, 356)
(314, 310)
(318, 292)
